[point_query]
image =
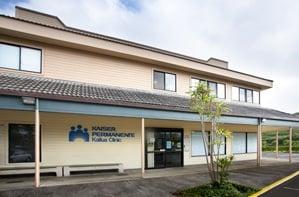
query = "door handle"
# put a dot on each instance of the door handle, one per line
(162, 150)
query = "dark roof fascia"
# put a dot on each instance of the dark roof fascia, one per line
(134, 44)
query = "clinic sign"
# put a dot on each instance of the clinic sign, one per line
(98, 134)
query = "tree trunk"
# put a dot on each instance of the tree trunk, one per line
(218, 155)
(205, 146)
(212, 152)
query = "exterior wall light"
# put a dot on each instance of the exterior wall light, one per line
(28, 100)
(264, 120)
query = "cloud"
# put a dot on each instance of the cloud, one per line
(256, 37)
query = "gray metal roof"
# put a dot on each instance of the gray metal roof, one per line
(55, 89)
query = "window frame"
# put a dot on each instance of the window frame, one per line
(20, 49)
(213, 82)
(244, 94)
(238, 90)
(200, 80)
(164, 73)
(246, 143)
(259, 97)
(8, 145)
(252, 95)
(209, 139)
(192, 143)
(249, 90)
(191, 84)
(224, 90)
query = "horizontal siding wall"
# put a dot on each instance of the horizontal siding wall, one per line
(77, 65)
(99, 69)
(57, 150)
(195, 126)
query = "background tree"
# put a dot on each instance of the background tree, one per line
(210, 110)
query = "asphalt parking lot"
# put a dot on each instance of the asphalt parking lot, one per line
(257, 177)
(289, 188)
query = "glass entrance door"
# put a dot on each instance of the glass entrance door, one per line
(164, 147)
(173, 148)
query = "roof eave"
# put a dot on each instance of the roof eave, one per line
(116, 47)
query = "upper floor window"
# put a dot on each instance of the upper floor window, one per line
(218, 89)
(20, 58)
(164, 81)
(249, 96)
(256, 97)
(213, 87)
(221, 90)
(245, 95)
(242, 93)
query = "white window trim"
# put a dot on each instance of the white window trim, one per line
(213, 81)
(165, 71)
(246, 88)
(19, 44)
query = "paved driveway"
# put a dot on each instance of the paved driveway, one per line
(256, 177)
(288, 189)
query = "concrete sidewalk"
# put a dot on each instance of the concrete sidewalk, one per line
(255, 176)
(281, 156)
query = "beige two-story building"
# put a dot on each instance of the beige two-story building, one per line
(72, 97)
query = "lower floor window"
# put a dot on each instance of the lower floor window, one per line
(197, 145)
(21, 143)
(251, 143)
(244, 142)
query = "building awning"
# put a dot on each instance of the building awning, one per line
(54, 90)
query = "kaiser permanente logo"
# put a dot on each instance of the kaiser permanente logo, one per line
(78, 132)
(98, 134)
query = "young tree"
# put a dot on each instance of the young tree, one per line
(210, 110)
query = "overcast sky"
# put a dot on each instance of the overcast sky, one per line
(256, 37)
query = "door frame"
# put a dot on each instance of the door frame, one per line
(181, 130)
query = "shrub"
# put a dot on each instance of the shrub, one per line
(226, 189)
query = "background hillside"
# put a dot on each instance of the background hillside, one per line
(283, 141)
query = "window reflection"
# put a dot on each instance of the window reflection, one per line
(21, 143)
(242, 95)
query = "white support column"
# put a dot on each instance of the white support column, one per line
(142, 148)
(259, 143)
(290, 144)
(276, 144)
(37, 144)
